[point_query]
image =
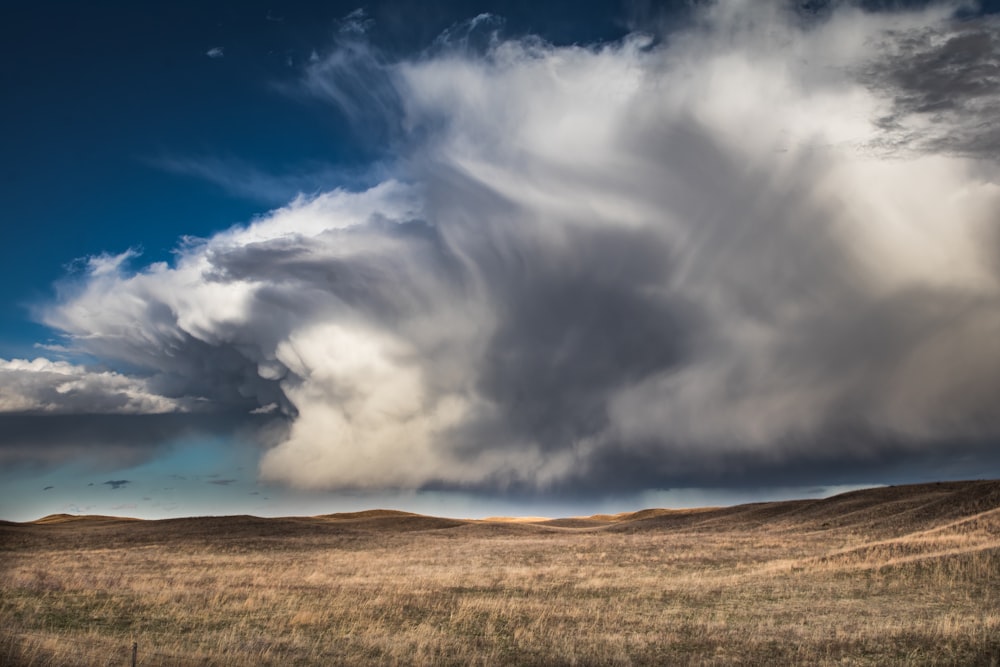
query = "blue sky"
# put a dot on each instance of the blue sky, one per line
(492, 258)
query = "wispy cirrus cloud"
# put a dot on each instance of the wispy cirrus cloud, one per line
(245, 180)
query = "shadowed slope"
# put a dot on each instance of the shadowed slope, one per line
(877, 512)
(367, 514)
(238, 533)
(77, 518)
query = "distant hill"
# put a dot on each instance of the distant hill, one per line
(887, 511)
(878, 513)
(67, 518)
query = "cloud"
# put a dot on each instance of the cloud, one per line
(248, 181)
(359, 79)
(216, 52)
(53, 347)
(116, 484)
(355, 22)
(945, 84)
(52, 412)
(223, 482)
(687, 259)
(113, 441)
(107, 264)
(59, 387)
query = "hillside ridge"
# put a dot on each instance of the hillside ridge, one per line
(890, 510)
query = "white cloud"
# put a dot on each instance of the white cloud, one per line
(58, 387)
(103, 265)
(216, 52)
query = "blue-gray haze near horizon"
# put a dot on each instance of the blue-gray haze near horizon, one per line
(757, 247)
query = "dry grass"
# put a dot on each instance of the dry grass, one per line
(904, 575)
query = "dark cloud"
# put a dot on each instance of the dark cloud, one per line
(579, 321)
(850, 458)
(112, 441)
(380, 270)
(116, 484)
(945, 86)
(223, 482)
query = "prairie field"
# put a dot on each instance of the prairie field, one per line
(893, 575)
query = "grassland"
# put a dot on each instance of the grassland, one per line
(898, 575)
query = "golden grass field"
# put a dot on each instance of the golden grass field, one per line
(896, 575)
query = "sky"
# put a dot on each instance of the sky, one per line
(494, 258)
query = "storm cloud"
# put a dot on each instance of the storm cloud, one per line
(945, 84)
(762, 247)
